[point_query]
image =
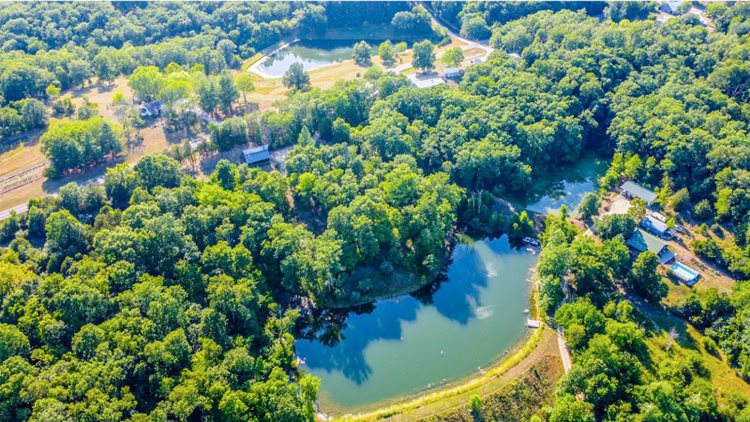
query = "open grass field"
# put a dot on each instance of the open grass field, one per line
(22, 162)
(723, 378)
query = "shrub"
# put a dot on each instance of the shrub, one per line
(475, 403)
(709, 345)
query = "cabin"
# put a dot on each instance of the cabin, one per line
(152, 109)
(657, 227)
(632, 190)
(670, 7)
(256, 155)
(453, 73)
(642, 241)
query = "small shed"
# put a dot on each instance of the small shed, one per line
(654, 226)
(453, 73)
(670, 7)
(634, 190)
(256, 155)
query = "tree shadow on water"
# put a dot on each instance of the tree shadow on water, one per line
(339, 339)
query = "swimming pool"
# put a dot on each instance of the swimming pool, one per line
(685, 273)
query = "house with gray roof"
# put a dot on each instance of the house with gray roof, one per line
(256, 155)
(632, 190)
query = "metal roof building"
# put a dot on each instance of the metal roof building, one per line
(634, 190)
(670, 7)
(656, 227)
(642, 241)
(256, 155)
(452, 73)
(427, 83)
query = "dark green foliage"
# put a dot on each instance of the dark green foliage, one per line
(361, 54)
(424, 56)
(296, 78)
(644, 279)
(415, 21)
(589, 206)
(229, 133)
(612, 225)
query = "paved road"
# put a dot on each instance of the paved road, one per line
(4, 215)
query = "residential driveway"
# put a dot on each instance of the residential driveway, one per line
(620, 205)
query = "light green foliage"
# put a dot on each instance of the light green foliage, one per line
(452, 56)
(475, 403)
(386, 52)
(76, 145)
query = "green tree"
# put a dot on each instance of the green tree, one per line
(228, 92)
(424, 56)
(296, 78)
(475, 404)
(589, 206)
(452, 56)
(13, 342)
(475, 27)
(361, 53)
(612, 225)
(644, 278)
(386, 52)
(66, 236)
(146, 82)
(245, 84)
(158, 170)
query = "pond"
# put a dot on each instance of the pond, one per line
(406, 344)
(549, 194)
(311, 54)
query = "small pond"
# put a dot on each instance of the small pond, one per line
(407, 344)
(311, 54)
(549, 194)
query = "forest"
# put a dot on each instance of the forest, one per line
(160, 296)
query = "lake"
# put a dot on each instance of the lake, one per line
(311, 54)
(406, 345)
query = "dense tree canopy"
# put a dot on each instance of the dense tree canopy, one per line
(162, 296)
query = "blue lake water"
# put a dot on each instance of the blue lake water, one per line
(406, 345)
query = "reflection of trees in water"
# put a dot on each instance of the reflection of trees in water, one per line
(336, 340)
(588, 168)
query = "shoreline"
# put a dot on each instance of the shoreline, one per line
(500, 365)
